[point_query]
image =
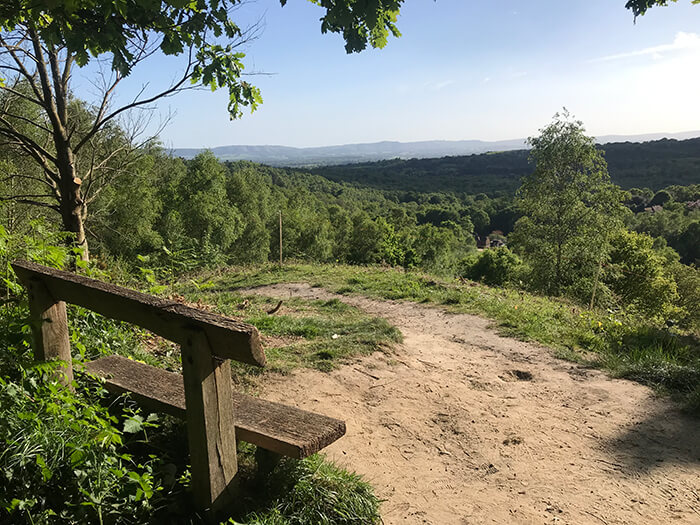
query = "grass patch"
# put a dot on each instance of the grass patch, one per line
(314, 491)
(624, 344)
(316, 334)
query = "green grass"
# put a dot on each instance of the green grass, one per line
(626, 345)
(303, 333)
(314, 491)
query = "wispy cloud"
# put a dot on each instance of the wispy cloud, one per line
(437, 86)
(682, 42)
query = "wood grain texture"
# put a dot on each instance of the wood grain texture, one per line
(285, 430)
(210, 428)
(50, 336)
(228, 338)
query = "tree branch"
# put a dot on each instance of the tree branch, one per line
(10, 131)
(26, 120)
(21, 68)
(176, 87)
(49, 104)
(59, 87)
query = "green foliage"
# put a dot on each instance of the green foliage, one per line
(636, 274)
(654, 164)
(126, 212)
(687, 280)
(640, 7)
(688, 243)
(440, 248)
(676, 223)
(660, 198)
(250, 193)
(569, 208)
(63, 457)
(39, 244)
(494, 267)
(367, 240)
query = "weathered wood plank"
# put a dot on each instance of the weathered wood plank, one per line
(210, 422)
(228, 338)
(285, 430)
(49, 323)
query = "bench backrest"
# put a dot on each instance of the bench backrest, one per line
(229, 339)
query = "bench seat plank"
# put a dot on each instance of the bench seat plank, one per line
(273, 426)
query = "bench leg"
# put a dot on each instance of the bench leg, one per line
(49, 322)
(266, 460)
(210, 423)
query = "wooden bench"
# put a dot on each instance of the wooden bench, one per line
(216, 415)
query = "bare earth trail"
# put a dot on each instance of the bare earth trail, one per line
(460, 425)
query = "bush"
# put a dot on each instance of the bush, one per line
(497, 266)
(688, 280)
(64, 457)
(637, 275)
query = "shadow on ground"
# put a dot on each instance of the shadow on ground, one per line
(661, 437)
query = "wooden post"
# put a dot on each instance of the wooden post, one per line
(280, 213)
(595, 284)
(49, 324)
(210, 423)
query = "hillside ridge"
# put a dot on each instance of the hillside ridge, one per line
(277, 155)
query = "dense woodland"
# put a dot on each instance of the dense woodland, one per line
(654, 165)
(173, 215)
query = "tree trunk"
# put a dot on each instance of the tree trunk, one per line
(73, 208)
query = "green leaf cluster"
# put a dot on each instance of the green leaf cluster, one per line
(640, 7)
(203, 29)
(63, 458)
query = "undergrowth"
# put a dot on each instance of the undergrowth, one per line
(86, 457)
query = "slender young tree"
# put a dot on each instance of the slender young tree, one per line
(42, 41)
(569, 207)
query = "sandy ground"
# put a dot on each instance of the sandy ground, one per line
(459, 425)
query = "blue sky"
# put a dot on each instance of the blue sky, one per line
(463, 69)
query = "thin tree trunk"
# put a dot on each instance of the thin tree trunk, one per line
(72, 206)
(558, 271)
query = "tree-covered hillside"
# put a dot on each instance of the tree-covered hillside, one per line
(655, 165)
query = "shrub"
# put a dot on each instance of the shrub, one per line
(637, 275)
(688, 280)
(494, 267)
(63, 456)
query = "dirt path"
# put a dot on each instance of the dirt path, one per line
(460, 425)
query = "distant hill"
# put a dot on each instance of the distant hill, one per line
(655, 164)
(287, 156)
(349, 153)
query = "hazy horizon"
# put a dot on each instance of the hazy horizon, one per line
(694, 133)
